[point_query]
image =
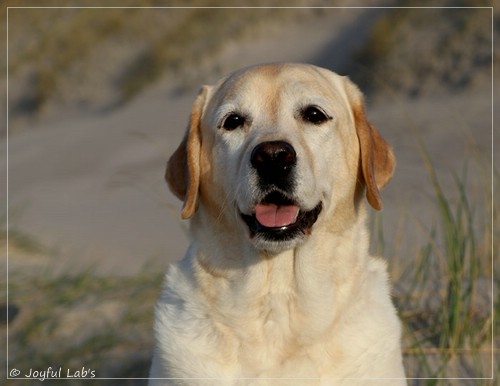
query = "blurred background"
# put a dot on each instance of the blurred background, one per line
(98, 98)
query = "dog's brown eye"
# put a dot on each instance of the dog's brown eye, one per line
(314, 115)
(233, 121)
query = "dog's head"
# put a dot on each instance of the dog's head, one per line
(274, 149)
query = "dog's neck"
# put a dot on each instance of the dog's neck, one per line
(294, 296)
(313, 271)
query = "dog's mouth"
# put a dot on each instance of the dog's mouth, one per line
(278, 218)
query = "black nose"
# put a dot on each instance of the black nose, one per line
(273, 160)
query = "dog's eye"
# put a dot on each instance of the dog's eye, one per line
(314, 115)
(233, 121)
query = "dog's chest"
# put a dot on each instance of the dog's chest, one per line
(269, 338)
(278, 326)
(277, 320)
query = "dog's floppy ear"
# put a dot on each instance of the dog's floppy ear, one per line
(183, 167)
(377, 158)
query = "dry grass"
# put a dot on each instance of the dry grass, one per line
(96, 57)
(101, 323)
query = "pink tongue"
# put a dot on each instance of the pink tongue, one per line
(272, 215)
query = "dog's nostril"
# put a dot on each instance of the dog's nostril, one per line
(273, 156)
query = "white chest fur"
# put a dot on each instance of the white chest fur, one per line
(292, 316)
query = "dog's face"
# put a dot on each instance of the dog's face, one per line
(277, 149)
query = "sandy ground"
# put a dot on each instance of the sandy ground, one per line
(91, 188)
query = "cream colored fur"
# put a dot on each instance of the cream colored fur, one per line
(311, 311)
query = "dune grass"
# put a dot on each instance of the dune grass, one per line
(455, 326)
(55, 53)
(101, 323)
(447, 308)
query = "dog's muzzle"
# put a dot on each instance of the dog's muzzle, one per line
(277, 217)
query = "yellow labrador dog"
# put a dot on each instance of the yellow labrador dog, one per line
(277, 286)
